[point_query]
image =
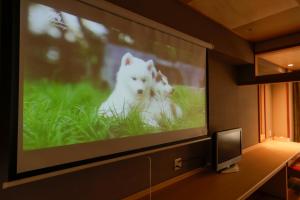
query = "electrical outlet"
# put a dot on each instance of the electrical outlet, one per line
(177, 164)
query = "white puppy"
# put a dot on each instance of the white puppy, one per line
(134, 80)
(160, 105)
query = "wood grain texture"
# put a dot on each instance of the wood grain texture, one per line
(231, 106)
(257, 167)
(232, 13)
(284, 57)
(278, 43)
(277, 186)
(283, 23)
(254, 20)
(144, 193)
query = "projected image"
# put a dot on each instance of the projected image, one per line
(89, 79)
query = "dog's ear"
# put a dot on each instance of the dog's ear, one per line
(158, 77)
(150, 65)
(127, 59)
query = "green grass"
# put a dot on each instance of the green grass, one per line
(192, 102)
(57, 114)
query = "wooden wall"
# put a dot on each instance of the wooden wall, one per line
(229, 106)
(277, 43)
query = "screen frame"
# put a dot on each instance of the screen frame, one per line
(14, 109)
(231, 161)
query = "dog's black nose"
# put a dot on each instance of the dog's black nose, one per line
(140, 91)
(172, 91)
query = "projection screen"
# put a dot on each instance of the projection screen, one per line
(96, 80)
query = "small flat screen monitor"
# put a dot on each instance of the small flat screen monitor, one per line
(228, 148)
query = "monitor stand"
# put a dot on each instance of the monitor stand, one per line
(231, 169)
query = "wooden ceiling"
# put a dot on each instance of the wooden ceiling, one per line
(253, 20)
(284, 57)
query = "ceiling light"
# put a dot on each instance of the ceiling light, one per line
(290, 65)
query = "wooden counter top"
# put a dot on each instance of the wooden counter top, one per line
(258, 165)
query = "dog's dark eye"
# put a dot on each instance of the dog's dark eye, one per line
(134, 78)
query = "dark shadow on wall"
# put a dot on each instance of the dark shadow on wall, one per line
(231, 105)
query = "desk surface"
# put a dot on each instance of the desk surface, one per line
(257, 166)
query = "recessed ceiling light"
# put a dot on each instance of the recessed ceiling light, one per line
(290, 65)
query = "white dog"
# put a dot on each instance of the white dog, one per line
(133, 84)
(160, 105)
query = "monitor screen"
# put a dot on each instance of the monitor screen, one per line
(228, 145)
(96, 83)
